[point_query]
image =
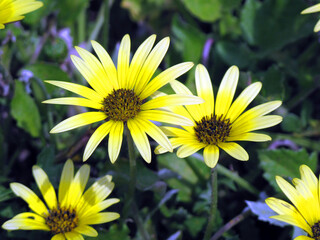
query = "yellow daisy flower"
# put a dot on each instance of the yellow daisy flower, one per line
(119, 96)
(313, 9)
(218, 125)
(305, 211)
(70, 215)
(12, 10)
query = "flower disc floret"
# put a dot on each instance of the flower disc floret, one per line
(62, 220)
(316, 231)
(213, 129)
(121, 105)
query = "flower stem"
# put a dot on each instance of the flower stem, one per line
(214, 203)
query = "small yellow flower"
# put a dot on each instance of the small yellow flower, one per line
(70, 215)
(12, 10)
(313, 9)
(218, 125)
(119, 96)
(305, 211)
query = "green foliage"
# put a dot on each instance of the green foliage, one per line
(285, 163)
(205, 10)
(25, 111)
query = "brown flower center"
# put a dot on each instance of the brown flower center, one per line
(212, 129)
(316, 231)
(62, 220)
(121, 105)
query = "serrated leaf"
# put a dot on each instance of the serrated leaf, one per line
(264, 212)
(25, 111)
(285, 163)
(205, 10)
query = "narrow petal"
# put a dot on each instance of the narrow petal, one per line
(312, 9)
(245, 98)
(100, 206)
(78, 185)
(211, 155)
(123, 61)
(96, 67)
(30, 197)
(59, 236)
(75, 101)
(235, 150)
(188, 149)
(24, 224)
(165, 77)
(317, 27)
(176, 132)
(99, 218)
(65, 181)
(254, 137)
(289, 219)
(45, 187)
(288, 190)
(73, 236)
(204, 90)
(140, 139)
(151, 64)
(303, 238)
(164, 116)
(226, 91)
(107, 63)
(115, 141)
(155, 132)
(78, 89)
(99, 134)
(139, 59)
(171, 100)
(79, 120)
(86, 230)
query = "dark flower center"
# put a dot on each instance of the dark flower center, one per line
(212, 129)
(316, 231)
(121, 105)
(61, 220)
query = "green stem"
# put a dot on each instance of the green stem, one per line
(82, 26)
(214, 203)
(105, 30)
(233, 176)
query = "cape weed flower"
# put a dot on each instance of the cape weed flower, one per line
(12, 10)
(119, 96)
(313, 9)
(305, 211)
(220, 124)
(70, 215)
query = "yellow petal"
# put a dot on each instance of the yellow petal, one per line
(107, 63)
(99, 134)
(115, 141)
(30, 197)
(139, 59)
(78, 89)
(100, 206)
(303, 238)
(288, 190)
(289, 219)
(79, 120)
(317, 27)
(151, 64)
(24, 224)
(164, 116)
(254, 137)
(245, 98)
(188, 149)
(123, 61)
(312, 9)
(45, 187)
(171, 100)
(75, 101)
(165, 77)
(65, 181)
(140, 139)
(234, 150)
(226, 91)
(59, 236)
(99, 218)
(86, 230)
(73, 236)
(211, 155)
(204, 90)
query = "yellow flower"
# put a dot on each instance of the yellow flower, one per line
(70, 215)
(313, 9)
(119, 96)
(305, 211)
(12, 10)
(218, 125)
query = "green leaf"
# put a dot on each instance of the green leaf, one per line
(285, 163)
(291, 123)
(25, 111)
(195, 224)
(115, 232)
(5, 194)
(273, 83)
(205, 10)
